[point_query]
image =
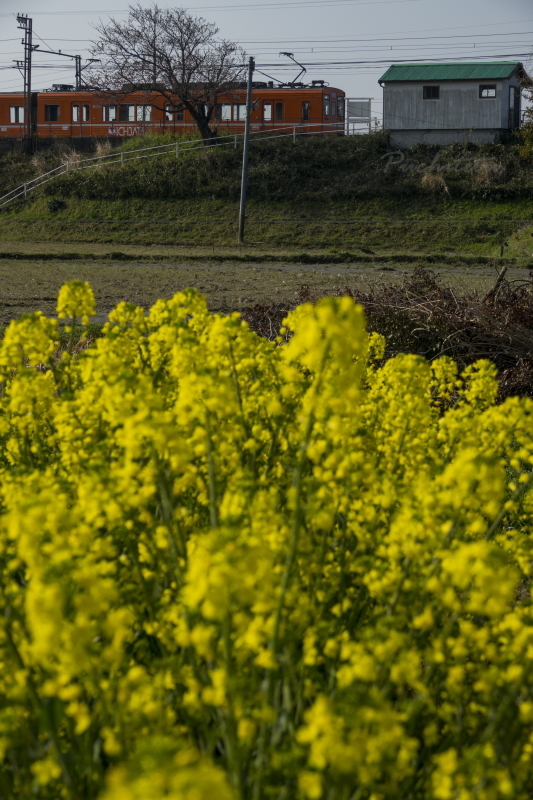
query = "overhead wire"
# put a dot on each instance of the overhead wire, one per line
(396, 61)
(451, 47)
(42, 75)
(396, 39)
(434, 48)
(42, 40)
(339, 39)
(341, 68)
(225, 7)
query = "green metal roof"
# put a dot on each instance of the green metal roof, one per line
(482, 71)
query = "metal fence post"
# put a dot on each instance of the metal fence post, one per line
(235, 142)
(122, 159)
(177, 149)
(25, 190)
(294, 135)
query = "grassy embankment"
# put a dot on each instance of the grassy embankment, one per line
(330, 195)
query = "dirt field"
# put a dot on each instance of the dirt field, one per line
(30, 285)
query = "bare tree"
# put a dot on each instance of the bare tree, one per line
(174, 58)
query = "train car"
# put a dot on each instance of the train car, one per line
(63, 112)
(12, 114)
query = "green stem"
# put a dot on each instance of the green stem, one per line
(522, 489)
(71, 337)
(167, 515)
(213, 512)
(232, 748)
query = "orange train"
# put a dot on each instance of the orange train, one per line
(62, 111)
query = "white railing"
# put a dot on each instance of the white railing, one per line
(122, 157)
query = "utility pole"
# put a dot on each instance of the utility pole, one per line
(78, 73)
(244, 180)
(26, 24)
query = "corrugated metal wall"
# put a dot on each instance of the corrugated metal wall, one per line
(459, 106)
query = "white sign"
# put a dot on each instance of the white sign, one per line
(358, 114)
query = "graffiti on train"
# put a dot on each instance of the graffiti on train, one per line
(124, 130)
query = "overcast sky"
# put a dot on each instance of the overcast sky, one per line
(349, 43)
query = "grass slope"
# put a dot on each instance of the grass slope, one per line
(319, 193)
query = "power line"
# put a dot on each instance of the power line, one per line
(68, 13)
(396, 61)
(43, 41)
(266, 51)
(331, 65)
(335, 48)
(224, 7)
(45, 75)
(449, 48)
(85, 40)
(338, 40)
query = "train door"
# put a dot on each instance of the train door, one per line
(80, 117)
(326, 111)
(86, 118)
(310, 113)
(51, 117)
(169, 119)
(239, 112)
(76, 119)
(33, 112)
(267, 114)
(306, 113)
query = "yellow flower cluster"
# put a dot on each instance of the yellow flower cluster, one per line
(246, 570)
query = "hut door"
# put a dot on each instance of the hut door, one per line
(514, 107)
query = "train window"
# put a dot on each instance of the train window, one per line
(86, 113)
(169, 112)
(334, 109)
(340, 107)
(179, 114)
(51, 113)
(279, 112)
(16, 114)
(75, 113)
(326, 105)
(267, 112)
(305, 110)
(223, 111)
(431, 92)
(239, 112)
(110, 113)
(126, 112)
(144, 113)
(487, 91)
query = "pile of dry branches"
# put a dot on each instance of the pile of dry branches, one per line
(422, 316)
